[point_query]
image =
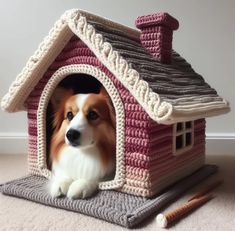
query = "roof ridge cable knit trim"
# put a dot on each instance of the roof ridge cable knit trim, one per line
(159, 109)
(129, 77)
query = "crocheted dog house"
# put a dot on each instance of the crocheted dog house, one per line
(160, 102)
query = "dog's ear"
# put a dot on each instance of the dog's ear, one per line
(112, 114)
(103, 91)
(57, 100)
(57, 95)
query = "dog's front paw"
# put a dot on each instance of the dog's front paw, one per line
(60, 187)
(81, 189)
(55, 190)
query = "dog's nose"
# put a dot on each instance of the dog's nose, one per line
(73, 136)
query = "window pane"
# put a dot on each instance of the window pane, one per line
(179, 142)
(188, 139)
(179, 127)
(188, 124)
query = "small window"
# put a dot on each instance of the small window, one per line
(179, 142)
(179, 127)
(188, 139)
(188, 124)
(183, 137)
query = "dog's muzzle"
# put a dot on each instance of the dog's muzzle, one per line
(73, 137)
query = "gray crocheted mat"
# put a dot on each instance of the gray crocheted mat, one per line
(120, 208)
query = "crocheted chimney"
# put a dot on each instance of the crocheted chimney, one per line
(156, 34)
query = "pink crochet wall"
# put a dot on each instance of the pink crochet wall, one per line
(149, 155)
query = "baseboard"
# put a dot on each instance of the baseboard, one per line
(216, 143)
(13, 143)
(220, 143)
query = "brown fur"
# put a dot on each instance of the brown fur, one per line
(59, 125)
(103, 129)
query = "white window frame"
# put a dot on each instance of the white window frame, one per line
(183, 132)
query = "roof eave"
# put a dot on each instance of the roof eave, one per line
(181, 115)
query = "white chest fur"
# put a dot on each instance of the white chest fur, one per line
(79, 163)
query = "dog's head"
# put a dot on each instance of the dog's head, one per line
(84, 119)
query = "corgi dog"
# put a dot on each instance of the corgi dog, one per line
(83, 143)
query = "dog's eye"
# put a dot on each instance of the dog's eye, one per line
(69, 116)
(92, 115)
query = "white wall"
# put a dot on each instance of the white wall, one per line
(205, 38)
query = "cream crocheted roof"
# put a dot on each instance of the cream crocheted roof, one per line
(168, 92)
